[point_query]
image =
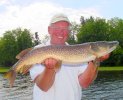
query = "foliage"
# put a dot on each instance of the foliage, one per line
(93, 30)
(74, 29)
(12, 43)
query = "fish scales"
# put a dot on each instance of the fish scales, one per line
(68, 54)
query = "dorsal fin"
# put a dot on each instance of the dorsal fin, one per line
(23, 52)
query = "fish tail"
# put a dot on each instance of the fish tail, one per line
(10, 75)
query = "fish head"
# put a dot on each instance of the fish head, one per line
(102, 48)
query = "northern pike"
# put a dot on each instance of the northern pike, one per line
(67, 54)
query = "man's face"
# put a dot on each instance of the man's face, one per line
(59, 32)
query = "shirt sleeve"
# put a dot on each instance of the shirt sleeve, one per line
(82, 68)
(36, 70)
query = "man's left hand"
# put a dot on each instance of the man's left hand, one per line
(104, 57)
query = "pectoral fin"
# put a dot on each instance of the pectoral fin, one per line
(22, 53)
(58, 65)
(96, 63)
(24, 69)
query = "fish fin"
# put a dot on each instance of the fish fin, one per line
(10, 75)
(58, 65)
(24, 69)
(23, 52)
(96, 62)
(94, 49)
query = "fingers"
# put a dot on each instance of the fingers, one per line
(107, 56)
(104, 57)
(50, 62)
(90, 63)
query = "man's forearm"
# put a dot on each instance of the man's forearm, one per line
(87, 77)
(46, 79)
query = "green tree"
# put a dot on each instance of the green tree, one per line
(93, 30)
(117, 30)
(116, 33)
(24, 39)
(74, 30)
(12, 43)
(8, 49)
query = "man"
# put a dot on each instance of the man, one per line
(65, 82)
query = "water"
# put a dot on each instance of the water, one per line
(107, 86)
(22, 89)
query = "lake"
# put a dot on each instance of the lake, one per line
(107, 86)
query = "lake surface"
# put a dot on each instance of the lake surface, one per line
(107, 86)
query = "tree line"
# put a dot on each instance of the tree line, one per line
(89, 30)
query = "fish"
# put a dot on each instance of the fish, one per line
(67, 54)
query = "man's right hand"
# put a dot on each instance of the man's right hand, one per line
(52, 63)
(46, 79)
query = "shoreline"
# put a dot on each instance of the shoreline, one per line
(116, 68)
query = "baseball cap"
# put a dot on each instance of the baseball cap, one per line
(59, 17)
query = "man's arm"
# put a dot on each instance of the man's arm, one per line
(46, 79)
(89, 75)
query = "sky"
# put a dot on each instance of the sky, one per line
(35, 15)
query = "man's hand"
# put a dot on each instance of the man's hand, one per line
(52, 63)
(96, 62)
(46, 79)
(104, 57)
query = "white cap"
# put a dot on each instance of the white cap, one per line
(59, 17)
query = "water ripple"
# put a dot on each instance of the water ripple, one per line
(107, 86)
(22, 89)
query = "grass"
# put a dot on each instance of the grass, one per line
(116, 68)
(4, 69)
(108, 68)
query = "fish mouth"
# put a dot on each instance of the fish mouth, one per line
(113, 44)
